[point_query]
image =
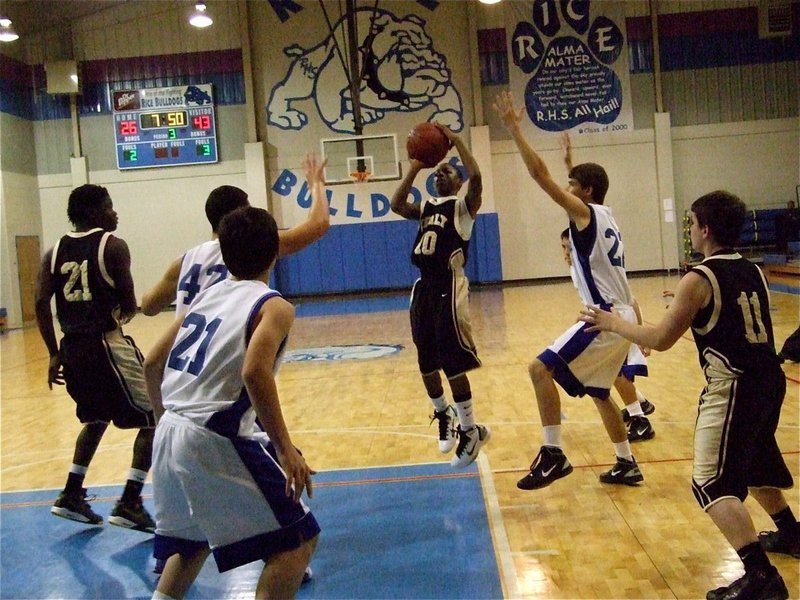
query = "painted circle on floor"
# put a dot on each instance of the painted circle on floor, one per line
(355, 352)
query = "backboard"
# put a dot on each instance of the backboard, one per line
(360, 154)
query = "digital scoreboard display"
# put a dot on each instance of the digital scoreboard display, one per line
(165, 127)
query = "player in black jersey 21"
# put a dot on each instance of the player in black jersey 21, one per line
(725, 301)
(88, 272)
(440, 325)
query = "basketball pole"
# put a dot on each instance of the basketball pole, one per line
(350, 65)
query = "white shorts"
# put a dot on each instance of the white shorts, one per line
(635, 364)
(225, 493)
(588, 363)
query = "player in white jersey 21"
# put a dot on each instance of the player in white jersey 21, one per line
(202, 266)
(580, 362)
(210, 376)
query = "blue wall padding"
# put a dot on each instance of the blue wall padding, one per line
(759, 226)
(376, 256)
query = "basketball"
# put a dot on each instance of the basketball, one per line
(427, 144)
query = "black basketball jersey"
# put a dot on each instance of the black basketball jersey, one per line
(736, 325)
(445, 227)
(85, 294)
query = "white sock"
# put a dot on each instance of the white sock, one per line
(137, 475)
(161, 596)
(635, 409)
(552, 435)
(623, 450)
(466, 416)
(439, 404)
(78, 469)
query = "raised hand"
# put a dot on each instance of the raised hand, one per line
(314, 168)
(504, 107)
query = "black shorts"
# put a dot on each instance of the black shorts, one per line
(440, 326)
(734, 444)
(104, 373)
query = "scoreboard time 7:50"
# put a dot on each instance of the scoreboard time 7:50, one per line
(161, 127)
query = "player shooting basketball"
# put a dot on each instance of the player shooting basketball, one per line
(440, 325)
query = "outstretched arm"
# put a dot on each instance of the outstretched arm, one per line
(693, 293)
(400, 204)
(576, 209)
(164, 292)
(318, 220)
(566, 146)
(474, 197)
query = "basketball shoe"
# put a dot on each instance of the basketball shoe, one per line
(624, 471)
(780, 542)
(76, 508)
(640, 429)
(469, 444)
(648, 408)
(761, 584)
(550, 464)
(447, 428)
(132, 515)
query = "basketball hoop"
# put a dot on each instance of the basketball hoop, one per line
(360, 176)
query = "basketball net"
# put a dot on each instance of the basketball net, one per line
(360, 176)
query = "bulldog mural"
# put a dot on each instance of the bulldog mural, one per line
(401, 71)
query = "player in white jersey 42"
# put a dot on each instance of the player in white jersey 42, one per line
(202, 266)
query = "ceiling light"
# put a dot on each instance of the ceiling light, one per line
(7, 33)
(200, 18)
(489, 1)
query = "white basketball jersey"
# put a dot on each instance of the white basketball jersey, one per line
(202, 267)
(203, 375)
(599, 267)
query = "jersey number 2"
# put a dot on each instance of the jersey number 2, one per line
(179, 357)
(617, 261)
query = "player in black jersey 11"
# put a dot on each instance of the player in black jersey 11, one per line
(440, 325)
(725, 301)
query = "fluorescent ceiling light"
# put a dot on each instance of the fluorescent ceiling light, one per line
(200, 18)
(7, 33)
(489, 1)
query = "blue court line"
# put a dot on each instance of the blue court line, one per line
(389, 532)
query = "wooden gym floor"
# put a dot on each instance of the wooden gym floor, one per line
(575, 539)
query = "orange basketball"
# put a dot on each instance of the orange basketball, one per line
(427, 144)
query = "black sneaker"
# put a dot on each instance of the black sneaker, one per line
(764, 584)
(624, 471)
(447, 428)
(648, 408)
(132, 515)
(550, 464)
(775, 541)
(75, 508)
(640, 429)
(470, 443)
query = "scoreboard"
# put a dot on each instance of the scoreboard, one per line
(165, 127)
